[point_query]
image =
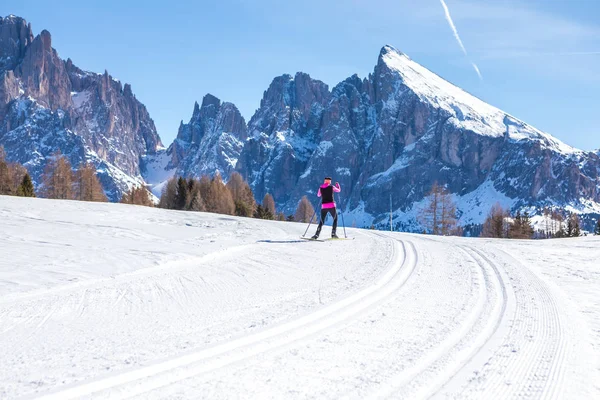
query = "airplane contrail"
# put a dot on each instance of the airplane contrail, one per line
(457, 36)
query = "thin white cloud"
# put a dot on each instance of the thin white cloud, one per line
(477, 70)
(457, 37)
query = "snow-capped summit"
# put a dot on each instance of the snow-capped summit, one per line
(463, 109)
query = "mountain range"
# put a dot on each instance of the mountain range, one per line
(387, 138)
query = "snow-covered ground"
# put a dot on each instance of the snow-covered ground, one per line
(117, 301)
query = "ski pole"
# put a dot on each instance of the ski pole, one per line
(344, 225)
(342, 214)
(309, 222)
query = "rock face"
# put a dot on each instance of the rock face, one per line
(47, 104)
(395, 133)
(212, 140)
(283, 134)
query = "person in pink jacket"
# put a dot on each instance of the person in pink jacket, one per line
(325, 192)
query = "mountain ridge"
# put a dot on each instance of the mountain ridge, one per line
(388, 136)
(398, 131)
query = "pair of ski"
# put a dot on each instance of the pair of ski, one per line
(325, 240)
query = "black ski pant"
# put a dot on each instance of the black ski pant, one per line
(324, 213)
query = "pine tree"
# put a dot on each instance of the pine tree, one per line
(304, 211)
(263, 213)
(597, 230)
(181, 198)
(526, 227)
(26, 187)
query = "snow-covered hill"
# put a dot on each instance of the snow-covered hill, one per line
(118, 301)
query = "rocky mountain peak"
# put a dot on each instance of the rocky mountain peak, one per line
(48, 104)
(15, 36)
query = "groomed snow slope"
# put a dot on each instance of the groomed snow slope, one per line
(116, 301)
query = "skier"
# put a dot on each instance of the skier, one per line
(325, 192)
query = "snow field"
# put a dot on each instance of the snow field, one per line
(116, 301)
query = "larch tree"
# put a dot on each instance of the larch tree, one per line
(6, 186)
(204, 187)
(304, 211)
(268, 204)
(243, 198)
(169, 194)
(439, 214)
(87, 185)
(495, 225)
(58, 178)
(219, 199)
(138, 195)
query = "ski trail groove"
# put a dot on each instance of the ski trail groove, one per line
(462, 343)
(534, 350)
(168, 372)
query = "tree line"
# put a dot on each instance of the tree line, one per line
(14, 178)
(232, 198)
(60, 181)
(439, 217)
(556, 223)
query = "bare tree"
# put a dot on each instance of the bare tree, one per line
(439, 215)
(304, 211)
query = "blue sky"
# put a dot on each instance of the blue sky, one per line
(539, 60)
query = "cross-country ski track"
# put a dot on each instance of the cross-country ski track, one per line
(115, 301)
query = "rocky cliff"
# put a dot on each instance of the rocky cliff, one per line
(48, 104)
